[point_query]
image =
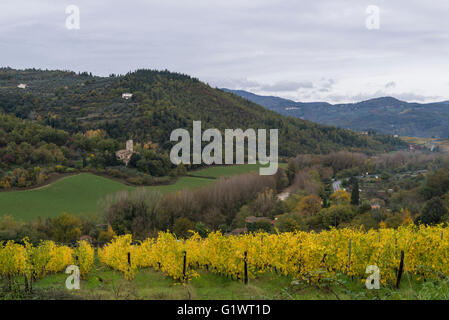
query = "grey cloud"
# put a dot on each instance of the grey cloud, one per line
(282, 86)
(243, 84)
(411, 96)
(390, 84)
(405, 96)
(327, 83)
(291, 47)
(286, 86)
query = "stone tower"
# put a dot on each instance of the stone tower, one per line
(130, 146)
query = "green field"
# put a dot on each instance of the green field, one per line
(148, 284)
(104, 283)
(79, 194)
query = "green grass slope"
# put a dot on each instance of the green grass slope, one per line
(106, 284)
(79, 194)
(75, 194)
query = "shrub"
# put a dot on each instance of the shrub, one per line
(433, 212)
(66, 228)
(183, 227)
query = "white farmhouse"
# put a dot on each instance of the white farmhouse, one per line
(22, 86)
(127, 96)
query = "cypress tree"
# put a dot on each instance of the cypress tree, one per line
(355, 197)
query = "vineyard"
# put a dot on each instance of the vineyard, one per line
(301, 255)
(34, 262)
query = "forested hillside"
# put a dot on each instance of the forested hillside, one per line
(162, 101)
(64, 122)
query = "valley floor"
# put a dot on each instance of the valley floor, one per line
(80, 194)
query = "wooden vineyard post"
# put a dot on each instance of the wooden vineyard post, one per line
(26, 282)
(129, 262)
(31, 277)
(349, 255)
(401, 269)
(245, 260)
(395, 246)
(324, 258)
(184, 268)
(9, 282)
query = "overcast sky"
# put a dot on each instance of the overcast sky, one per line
(314, 50)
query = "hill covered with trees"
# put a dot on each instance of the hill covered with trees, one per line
(65, 121)
(161, 101)
(385, 115)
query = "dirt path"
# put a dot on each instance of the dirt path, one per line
(46, 184)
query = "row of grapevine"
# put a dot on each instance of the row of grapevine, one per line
(164, 253)
(35, 262)
(302, 255)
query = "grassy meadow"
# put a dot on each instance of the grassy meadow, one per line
(106, 284)
(79, 194)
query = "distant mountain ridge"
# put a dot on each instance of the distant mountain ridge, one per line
(386, 115)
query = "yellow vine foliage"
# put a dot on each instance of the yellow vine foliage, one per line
(84, 257)
(165, 254)
(115, 255)
(37, 261)
(303, 255)
(60, 257)
(12, 259)
(310, 256)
